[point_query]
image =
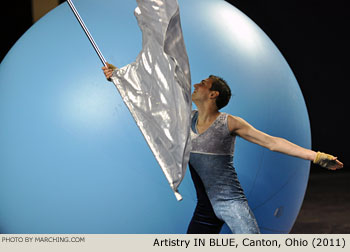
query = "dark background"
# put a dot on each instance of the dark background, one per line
(313, 37)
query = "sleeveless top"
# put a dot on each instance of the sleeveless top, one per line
(216, 140)
(212, 158)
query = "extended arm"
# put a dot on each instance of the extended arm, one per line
(248, 132)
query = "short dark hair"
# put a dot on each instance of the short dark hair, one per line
(220, 85)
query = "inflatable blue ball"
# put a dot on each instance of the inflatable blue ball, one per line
(72, 159)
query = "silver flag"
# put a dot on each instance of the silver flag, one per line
(156, 87)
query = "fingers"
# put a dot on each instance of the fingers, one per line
(337, 165)
(109, 66)
(340, 164)
(108, 73)
(108, 70)
(328, 161)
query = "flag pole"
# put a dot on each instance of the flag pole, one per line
(82, 24)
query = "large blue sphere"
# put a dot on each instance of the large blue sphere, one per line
(72, 160)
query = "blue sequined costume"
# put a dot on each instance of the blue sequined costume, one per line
(219, 193)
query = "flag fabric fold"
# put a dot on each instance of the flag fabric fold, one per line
(156, 87)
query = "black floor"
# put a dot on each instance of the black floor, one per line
(326, 206)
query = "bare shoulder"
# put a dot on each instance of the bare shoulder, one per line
(235, 122)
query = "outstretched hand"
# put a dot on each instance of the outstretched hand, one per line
(328, 161)
(335, 164)
(339, 165)
(108, 70)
